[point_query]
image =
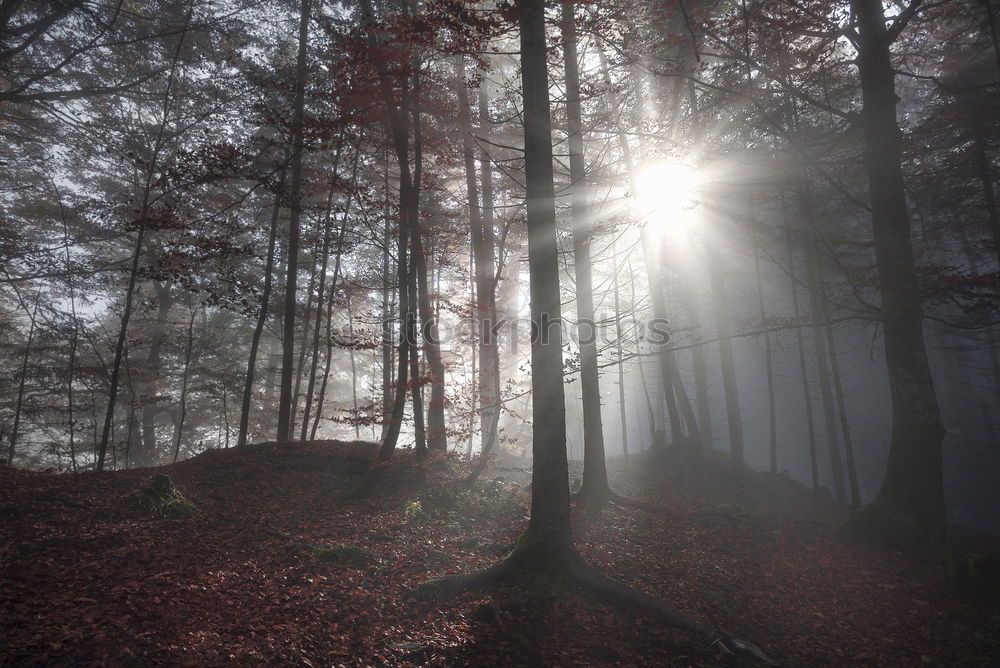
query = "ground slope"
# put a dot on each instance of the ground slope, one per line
(87, 580)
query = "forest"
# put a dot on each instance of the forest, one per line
(500, 332)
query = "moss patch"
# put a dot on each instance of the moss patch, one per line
(344, 553)
(161, 499)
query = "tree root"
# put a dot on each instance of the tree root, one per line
(594, 584)
(610, 496)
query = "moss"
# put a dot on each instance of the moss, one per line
(161, 499)
(539, 558)
(878, 524)
(475, 544)
(429, 590)
(344, 553)
(975, 577)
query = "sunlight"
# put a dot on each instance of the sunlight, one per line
(667, 195)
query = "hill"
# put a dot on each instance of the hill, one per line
(277, 567)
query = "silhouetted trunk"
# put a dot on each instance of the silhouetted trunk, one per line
(549, 536)
(619, 353)
(143, 221)
(179, 429)
(727, 363)
(21, 383)
(286, 397)
(595, 474)
(300, 365)
(838, 388)
(321, 291)
(388, 291)
(801, 347)
(73, 342)
(491, 415)
(768, 359)
(354, 368)
(912, 495)
(655, 441)
(409, 206)
(819, 318)
(416, 377)
(484, 261)
(436, 429)
(699, 364)
(653, 276)
(146, 454)
(265, 299)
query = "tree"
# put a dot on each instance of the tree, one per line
(546, 547)
(909, 508)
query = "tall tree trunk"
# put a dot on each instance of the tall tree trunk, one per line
(727, 362)
(151, 174)
(417, 378)
(179, 429)
(549, 536)
(328, 361)
(22, 383)
(354, 368)
(321, 292)
(912, 494)
(436, 429)
(300, 365)
(819, 318)
(619, 353)
(146, 455)
(800, 346)
(409, 207)
(286, 397)
(698, 363)
(491, 415)
(388, 290)
(654, 276)
(265, 299)
(595, 474)
(768, 356)
(484, 262)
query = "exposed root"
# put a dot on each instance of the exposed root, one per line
(449, 586)
(607, 495)
(594, 584)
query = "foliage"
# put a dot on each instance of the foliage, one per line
(344, 553)
(161, 499)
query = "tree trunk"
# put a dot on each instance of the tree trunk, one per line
(768, 353)
(179, 430)
(549, 536)
(286, 397)
(21, 383)
(800, 345)
(723, 328)
(819, 318)
(653, 277)
(619, 352)
(436, 429)
(912, 494)
(321, 293)
(265, 299)
(595, 474)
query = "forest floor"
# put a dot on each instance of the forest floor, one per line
(85, 579)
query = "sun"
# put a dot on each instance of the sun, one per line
(667, 194)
